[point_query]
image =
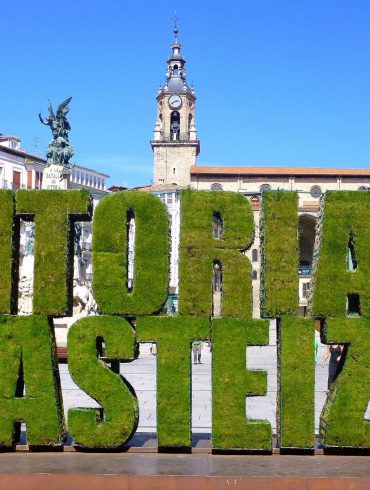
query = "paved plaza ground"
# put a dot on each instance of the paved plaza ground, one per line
(141, 374)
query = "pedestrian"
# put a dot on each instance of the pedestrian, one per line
(335, 353)
(197, 351)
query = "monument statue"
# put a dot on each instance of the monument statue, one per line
(59, 150)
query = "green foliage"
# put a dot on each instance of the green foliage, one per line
(116, 423)
(344, 212)
(231, 382)
(53, 271)
(199, 250)
(280, 253)
(110, 254)
(6, 235)
(342, 420)
(296, 357)
(28, 357)
(173, 336)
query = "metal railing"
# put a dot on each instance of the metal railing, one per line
(175, 137)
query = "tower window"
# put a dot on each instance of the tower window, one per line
(190, 120)
(175, 126)
(254, 275)
(254, 255)
(174, 170)
(176, 70)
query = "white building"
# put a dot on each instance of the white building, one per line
(20, 169)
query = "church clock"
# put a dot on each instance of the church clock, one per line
(175, 102)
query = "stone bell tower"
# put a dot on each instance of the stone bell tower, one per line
(175, 144)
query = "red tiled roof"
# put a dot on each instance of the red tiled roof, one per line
(195, 170)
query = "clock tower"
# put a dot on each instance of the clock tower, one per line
(175, 144)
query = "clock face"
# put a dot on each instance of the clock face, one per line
(175, 102)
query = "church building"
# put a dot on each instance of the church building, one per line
(175, 148)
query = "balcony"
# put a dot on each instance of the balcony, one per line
(182, 137)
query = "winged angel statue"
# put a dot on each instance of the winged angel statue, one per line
(59, 150)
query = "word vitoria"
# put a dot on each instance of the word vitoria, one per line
(132, 313)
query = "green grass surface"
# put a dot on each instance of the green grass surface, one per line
(110, 254)
(199, 249)
(6, 236)
(342, 421)
(344, 212)
(28, 357)
(90, 427)
(231, 382)
(296, 383)
(173, 336)
(53, 270)
(280, 254)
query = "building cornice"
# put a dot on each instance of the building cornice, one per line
(278, 171)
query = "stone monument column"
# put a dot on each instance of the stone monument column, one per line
(58, 169)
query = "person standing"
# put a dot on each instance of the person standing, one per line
(197, 351)
(335, 353)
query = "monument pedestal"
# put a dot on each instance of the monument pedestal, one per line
(56, 177)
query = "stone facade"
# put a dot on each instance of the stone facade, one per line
(175, 145)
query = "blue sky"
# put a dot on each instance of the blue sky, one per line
(278, 82)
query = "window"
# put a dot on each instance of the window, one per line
(174, 171)
(265, 187)
(254, 275)
(216, 187)
(353, 301)
(217, 277)
(315, 191)
(38, 180)
(190, 120)
(351, 253)
(218, 225)
(254, 255)
(305, 289)
(175, 126)
(16, 180)
(176, 70)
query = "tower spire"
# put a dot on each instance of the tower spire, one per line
(175, 29)
(175, 144)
